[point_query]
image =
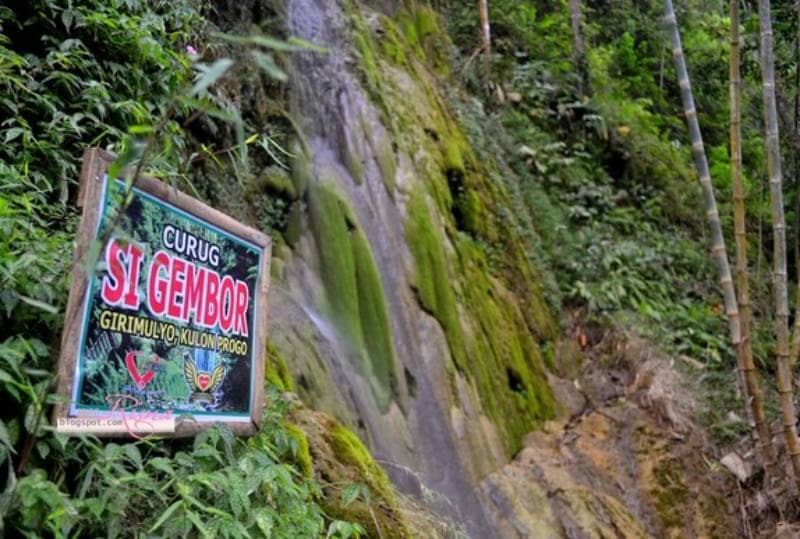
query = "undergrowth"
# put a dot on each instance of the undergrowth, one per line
(605, 181)
(136, 78)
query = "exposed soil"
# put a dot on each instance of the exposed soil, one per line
(626, 458)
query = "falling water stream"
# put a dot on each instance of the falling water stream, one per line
(414, 439)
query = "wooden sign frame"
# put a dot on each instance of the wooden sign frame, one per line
(96, 163)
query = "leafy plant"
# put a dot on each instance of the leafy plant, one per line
(217, 485)
(131, 76)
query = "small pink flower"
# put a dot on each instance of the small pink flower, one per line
(191, 50)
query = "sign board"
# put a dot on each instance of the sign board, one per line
(165, 333)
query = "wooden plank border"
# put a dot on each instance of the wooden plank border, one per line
(94, 167)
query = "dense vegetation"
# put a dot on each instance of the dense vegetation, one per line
(605, 179)
(125, 76)
(608, 172)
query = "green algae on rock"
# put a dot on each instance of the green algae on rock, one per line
(353, 286)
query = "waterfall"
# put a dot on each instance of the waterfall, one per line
(414, 438)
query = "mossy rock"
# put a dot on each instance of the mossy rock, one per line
(393, 47)
(387, 163)
(432, 278)
(331, 223)
(505, 362)
(363, 43)
(670, 494)
(374, 318)
(294, 225)
(302, 456)
(425, 34)
(302, 174)
(277, 181)
(353, 286)
(275, 370)
(339, 460)
(507, 316)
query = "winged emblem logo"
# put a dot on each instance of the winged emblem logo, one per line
(203, 384)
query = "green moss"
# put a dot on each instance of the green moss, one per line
(277, 181)
(302, 456)
(468, 211)
(495, 345)
(671, 495)
(364, 46)
(353, 286)
(275, 370)
(384, 154)
(432, 279)
(276, 267)
(392, 45)
(348, 449)
(330, 223)
(374, 319)
(302, 174)
(427, 21)
(383, 516)
(294, 225)
(425, 35)
(412, 38)
(453, 157)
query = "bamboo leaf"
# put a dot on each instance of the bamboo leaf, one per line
(164, 516)
(210, 75)
(268, 65)
(261, 41)
(39, 304)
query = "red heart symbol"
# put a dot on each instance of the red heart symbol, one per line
(141, 379)
(203, 381)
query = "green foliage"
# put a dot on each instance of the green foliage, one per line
(608, 183)
(215, 485)
(69, 76)
(120, 75)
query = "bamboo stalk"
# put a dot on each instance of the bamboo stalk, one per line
(795, 347)
(744, 351)
(579, 44)
(785, 385)
(718, 250)
(486, 37)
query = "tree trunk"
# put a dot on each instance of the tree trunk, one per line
(779, 237)
(579, 45)
(486, 38)
(795, 347)
(744, 352)
(718, 251)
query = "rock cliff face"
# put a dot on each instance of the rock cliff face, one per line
(405, 301)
